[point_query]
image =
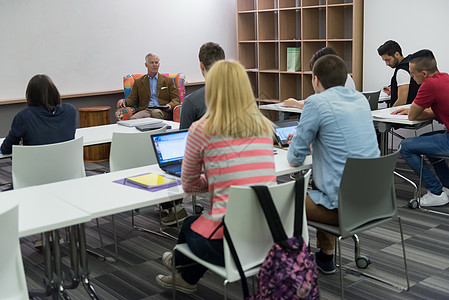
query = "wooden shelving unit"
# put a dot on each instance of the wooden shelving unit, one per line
(266, 28)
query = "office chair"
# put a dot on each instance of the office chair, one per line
(373, 99)
(365, 200)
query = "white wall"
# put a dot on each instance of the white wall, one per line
(414, 24)
(88, 45)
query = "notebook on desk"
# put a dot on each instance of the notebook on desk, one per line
(169, 148)
(137, 122)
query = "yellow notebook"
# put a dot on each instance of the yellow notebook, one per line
(150, 180)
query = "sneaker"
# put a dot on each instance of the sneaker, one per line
(446, 191)
(325, 266)
(180, 284)
(171, 218)
(430, 199)
(167, 260)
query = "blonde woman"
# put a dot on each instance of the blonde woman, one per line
(233, 143)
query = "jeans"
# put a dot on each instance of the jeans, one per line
(433, 143)
(209, 250)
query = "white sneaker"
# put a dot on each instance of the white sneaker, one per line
(446, 190)
(430, 199)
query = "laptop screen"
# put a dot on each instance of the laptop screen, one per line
(170, 146)
(283, 132)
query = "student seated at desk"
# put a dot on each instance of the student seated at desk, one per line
(349, 83)
(233, 143)
(45, 121)
(337, 122)
(431, 102)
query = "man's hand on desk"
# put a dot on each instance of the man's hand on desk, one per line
(291, 102)
(401, 111)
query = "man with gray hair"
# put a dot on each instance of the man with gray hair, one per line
(153, 95)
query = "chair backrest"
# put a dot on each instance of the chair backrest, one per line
(367, 192)
(178, 78)
(132, 150)
(12, 274)
(373, 99)
(35, 165)
(248, 227)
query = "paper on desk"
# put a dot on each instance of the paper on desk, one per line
(386, 113)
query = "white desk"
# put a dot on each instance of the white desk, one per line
(280, 107)
(40, 212)
(102, 134)
(99, 196)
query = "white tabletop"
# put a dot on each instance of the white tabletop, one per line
(280, 107)
(40, 212)
(101, 134)
(384, 115)
(100, 196)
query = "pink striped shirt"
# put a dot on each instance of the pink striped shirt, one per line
(227, 161)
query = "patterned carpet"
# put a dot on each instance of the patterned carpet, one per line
(132, 277)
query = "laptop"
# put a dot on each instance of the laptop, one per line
(169, 148)
(283, 129)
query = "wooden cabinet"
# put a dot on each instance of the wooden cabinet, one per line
(266, 28)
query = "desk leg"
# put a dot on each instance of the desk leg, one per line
(59, 281)
(383, 128)
(74, 261)
(83, 261)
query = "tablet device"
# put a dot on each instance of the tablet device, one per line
(158, 107)
(281, 134)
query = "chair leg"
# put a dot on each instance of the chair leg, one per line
(342, 293)
(160, 233)
(225, 288)
(403, 253)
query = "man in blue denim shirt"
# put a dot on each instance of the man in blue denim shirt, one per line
(336, 123)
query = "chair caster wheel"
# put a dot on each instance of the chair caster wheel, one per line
(198, 209)
(362, 262)
(413, 204)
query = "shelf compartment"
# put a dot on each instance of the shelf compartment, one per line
(283, 53)
(314, 23)
(267, 4)
(290, 24)
(268, 25)
(332, 2)
(245, 5)
(248, 55)
(307, 88)
(268, 86)
(308, 50)
(268, 56)
(254, 83)
(290, 86)
(344, 50)
(339, 22)
(247, 26)
(289, 3)
(313, 2)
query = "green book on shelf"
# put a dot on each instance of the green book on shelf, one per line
(293, 59)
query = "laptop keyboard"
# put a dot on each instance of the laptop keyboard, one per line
(174, 169)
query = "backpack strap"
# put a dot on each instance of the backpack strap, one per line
(299, 206)
(236, 259)
(271, 215)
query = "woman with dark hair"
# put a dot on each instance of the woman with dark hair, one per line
(45, 120)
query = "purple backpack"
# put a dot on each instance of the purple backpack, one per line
(289, 270)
